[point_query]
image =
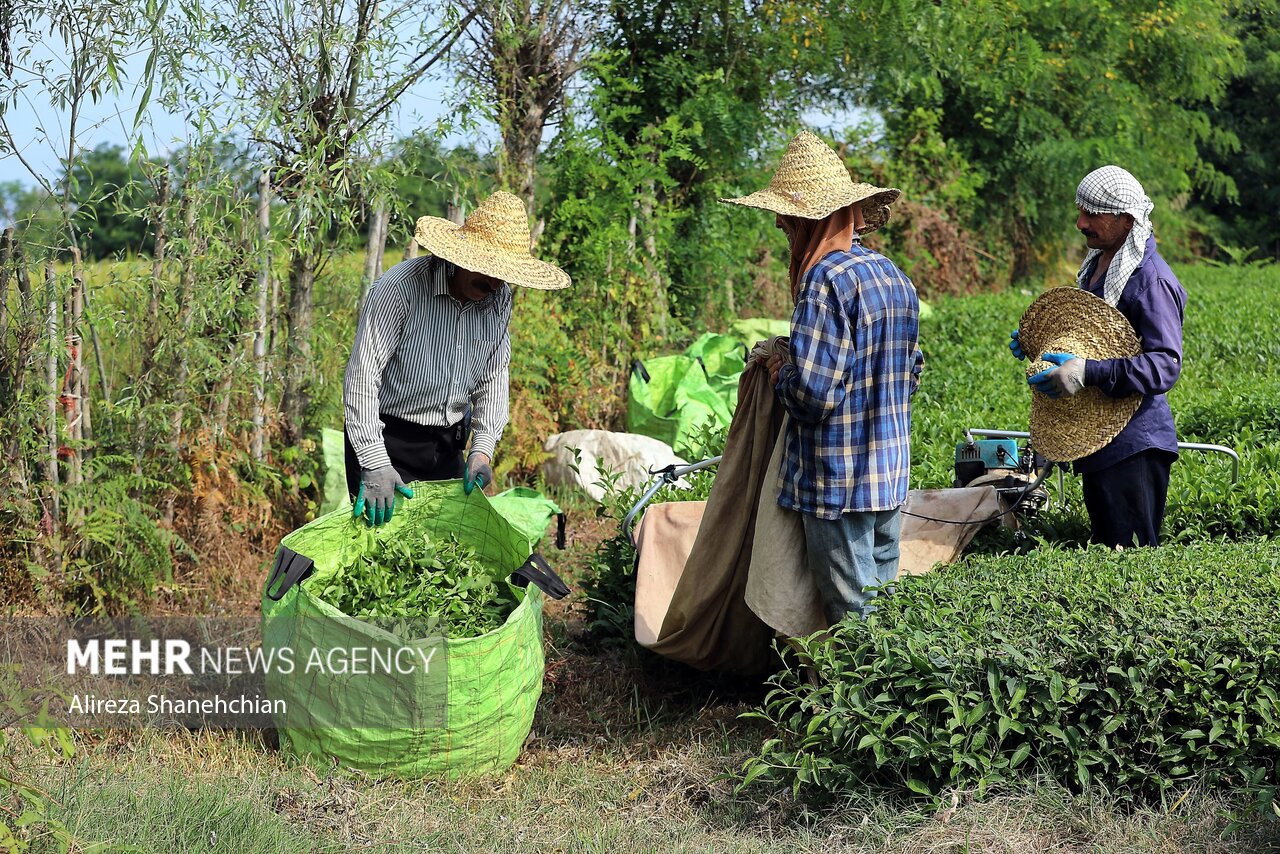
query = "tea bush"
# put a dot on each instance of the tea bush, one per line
(1145, 671)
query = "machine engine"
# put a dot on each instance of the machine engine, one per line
(1001, 463)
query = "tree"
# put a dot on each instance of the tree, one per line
(524, 53)
(110, 195)
(739, 77)
(430, 180)
(1248, 110)
(1035, 96)
(70, 53)
(35, 215)
(314, 82)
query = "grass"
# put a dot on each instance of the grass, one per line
(661, 789)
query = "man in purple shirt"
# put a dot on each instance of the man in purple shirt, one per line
(1126, 482)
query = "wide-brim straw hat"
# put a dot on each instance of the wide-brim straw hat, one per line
(1071, 320)
(812, 182)
(493, 241)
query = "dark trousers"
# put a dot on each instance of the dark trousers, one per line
(1126, 501)
(417, 452)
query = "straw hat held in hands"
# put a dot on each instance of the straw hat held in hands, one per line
(1107, 353)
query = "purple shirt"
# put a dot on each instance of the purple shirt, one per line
(1154, 302)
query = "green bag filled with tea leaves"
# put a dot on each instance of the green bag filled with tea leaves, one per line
(413, 653)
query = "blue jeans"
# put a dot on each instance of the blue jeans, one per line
(850, 554)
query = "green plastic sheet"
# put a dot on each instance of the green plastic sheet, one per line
(696, 389)
(675, 402)
(469, 716)
(723, 357)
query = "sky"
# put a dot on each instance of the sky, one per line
(111, 121)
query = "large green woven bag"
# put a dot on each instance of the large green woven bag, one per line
(469, 716)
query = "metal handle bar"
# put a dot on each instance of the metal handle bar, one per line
(663, 476)
(1182, 446)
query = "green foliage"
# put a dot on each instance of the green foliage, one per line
(1247, 110)
(27, 815)
(1147, 672)
(926, 236)
(416, 587)
(428, 179)
(110, 195)
(120, 553)
(33, 214)
(1034, 96)
(557, 383)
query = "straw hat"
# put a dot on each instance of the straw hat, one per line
(494, 241)
(813, 183)
(1071, 320)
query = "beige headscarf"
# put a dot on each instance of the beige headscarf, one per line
(814, 238)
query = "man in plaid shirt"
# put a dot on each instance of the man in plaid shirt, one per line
(854, 365)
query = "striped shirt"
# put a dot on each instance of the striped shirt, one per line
(423, 356)
(855, 365)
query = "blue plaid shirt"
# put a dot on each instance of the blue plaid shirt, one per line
(856, 365)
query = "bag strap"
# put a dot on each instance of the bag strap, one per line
(289, 569)
(539, 572)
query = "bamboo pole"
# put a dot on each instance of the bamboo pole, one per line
(51, 475)
(24, 278)
(99, 356)
(257, 444)
(185, 296)
(384, 221)
(17, 352)
(160, 225)
(73, 388)
(6, 260)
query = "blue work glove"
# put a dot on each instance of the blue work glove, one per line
(376, 499)
(1015, 346)
(1067, 378)
(478, 472)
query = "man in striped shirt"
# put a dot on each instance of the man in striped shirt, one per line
(428, 369)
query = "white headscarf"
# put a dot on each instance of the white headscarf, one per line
(1112, 190)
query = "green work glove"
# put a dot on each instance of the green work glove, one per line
(1067, 378)
(376, 499)
(478, 472)
(1015, 346)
